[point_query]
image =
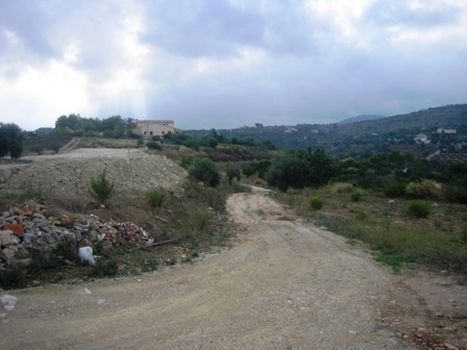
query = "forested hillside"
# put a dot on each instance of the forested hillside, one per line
(362, 138)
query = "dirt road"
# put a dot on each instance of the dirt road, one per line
(283, 285)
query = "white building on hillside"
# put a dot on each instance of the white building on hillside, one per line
(154, 128)
(422, 139)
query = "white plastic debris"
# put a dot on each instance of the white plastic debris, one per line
(85, 254)
(8, 301)
(87, 291)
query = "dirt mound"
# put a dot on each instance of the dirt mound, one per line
(68, 174)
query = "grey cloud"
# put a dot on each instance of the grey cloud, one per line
(307, 72)
(217, 28)
(398, 12)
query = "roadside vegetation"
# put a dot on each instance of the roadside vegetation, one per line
(401, 231)
(407, 209)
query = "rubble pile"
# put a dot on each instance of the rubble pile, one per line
(26, 228)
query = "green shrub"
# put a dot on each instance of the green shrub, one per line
(201, 219)
(153, 145)
(394, 188)
(156, 198)
(12, 277)
(456, 194)
(316, 203)
(66, 248)
(423, 189)
(356, 196)
(261, 167)
(205, 170)
(106, 267)
(418, 209)
(101, 188)
(186, 161)
(232, 173)
(361, 216)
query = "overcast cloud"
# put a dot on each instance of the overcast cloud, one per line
(227, 63)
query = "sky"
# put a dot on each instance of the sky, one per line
(228, 63)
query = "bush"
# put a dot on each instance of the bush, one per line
(186, 161)
(419, 209)
(423, 189)
(394, 188)
(356, 196)
(260, 167)
(201, 219)
(456, 194)
(232, 173)
(156, 198)
(361, 216)
(101, 188)
(205, 170)
(153, 145)
(106, 267)
(316, 203)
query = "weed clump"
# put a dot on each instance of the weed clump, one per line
(316, 203)
(419, 209)
(356, 196)
(101, 188)
(156, 199)
(394, 189)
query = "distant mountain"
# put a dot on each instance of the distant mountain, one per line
(362, 137)
(361, 118)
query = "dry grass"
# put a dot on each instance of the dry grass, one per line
(438, 240)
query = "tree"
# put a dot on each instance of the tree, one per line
(11, 140)
(3, 142)
(302, 168)
(286, 172)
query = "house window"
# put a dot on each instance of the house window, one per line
(150, 133)
(162, 133)
(145, 133)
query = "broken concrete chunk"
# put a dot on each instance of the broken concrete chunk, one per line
(86, 257)
(8, 301)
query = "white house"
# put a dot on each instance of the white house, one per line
(422, 139)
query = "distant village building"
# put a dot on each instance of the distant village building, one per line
(422, 139)
(154, 128)
(259, 125)
(442, 131)
(290, 130)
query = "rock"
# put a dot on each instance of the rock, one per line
(8, 301)
(5, 237)
(450, 346)
(100, 301)
(87, 291)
